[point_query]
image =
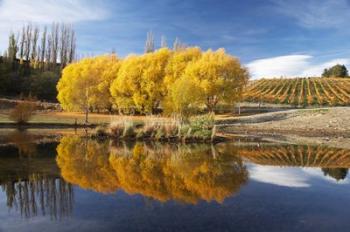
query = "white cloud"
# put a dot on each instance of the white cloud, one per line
(290, 66)
(279, 66)
(46, 11)
(14, 13)
(316, 13)
(288, 177)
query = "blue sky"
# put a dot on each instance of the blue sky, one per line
(271, 37)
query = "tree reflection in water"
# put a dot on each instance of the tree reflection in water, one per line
(185, 173)
(30, 178)
(48, 195)
(336, 173)
(85, 162)
(36, 181)
(24, 142)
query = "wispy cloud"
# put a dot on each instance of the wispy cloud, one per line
(316, 13)
(13, 14)
(46, 11)
(290, 66)
(286, 66)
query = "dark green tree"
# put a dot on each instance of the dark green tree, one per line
(43, 85)
(336, 71)
(32, 62)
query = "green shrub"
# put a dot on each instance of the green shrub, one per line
(200, 123)
(184, 129)
(202, 134)
(200, 127)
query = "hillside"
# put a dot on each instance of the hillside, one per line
(300, 91)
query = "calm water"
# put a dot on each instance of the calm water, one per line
(79, 184)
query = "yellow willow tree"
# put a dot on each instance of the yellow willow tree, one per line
(139, 83)
(128, 80)
(84, 85)
(183, 98)
(219, 77)
(181, 94)
(178, 63)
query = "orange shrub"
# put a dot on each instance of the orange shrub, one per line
(22, 112)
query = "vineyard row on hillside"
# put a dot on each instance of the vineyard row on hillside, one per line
(300, 91)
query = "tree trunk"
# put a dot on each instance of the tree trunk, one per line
(211, 103)
(86, 116)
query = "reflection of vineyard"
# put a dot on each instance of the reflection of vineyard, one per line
(162, 172)
(300, 91)
(297, 155)
(32, 184)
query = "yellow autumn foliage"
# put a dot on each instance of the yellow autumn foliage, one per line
(139, 82)
(186, 174)
(218, 76)
(84, 85)
(182, 94)
(85, 162)
(178, 63)
(175, 81)
(162, 172)
(183, 97)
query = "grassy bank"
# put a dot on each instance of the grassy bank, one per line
(196, 129)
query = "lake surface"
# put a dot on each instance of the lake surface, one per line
(79, 184)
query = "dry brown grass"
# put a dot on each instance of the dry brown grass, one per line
(72, 117)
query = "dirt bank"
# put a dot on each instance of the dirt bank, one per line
(324, 125)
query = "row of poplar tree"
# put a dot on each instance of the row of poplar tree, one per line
(55, 47)
(33, 61)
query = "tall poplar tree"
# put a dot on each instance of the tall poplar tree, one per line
(149, 46)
